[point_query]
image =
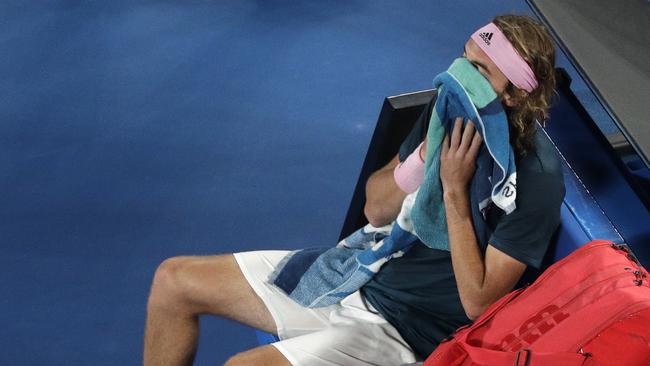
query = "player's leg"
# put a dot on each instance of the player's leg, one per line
(186, 287)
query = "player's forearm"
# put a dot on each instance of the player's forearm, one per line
(383, 197)
(467, 259)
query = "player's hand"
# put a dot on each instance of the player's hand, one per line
(458, 156)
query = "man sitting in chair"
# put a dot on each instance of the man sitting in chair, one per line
(419, 298)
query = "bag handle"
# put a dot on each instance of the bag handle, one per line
(524, 357)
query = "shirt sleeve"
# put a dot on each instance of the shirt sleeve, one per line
(418, 132)
(525, 233)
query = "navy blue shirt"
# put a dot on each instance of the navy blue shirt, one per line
(417, 293)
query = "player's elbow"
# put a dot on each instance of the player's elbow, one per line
(473, 309)
(376, 214)
(473, 314)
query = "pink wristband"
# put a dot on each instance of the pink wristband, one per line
(410, 173)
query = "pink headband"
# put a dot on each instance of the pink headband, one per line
(500, 50)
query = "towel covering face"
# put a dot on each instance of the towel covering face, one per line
(464, 92)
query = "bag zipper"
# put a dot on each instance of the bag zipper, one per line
(575, 298)
(614, 268)
(613, 318)
(578, 252)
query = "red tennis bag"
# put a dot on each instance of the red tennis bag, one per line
(591, 308)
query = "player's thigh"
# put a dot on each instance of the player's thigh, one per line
(214, 285)
(291, 318)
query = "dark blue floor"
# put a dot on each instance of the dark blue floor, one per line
(134, 132)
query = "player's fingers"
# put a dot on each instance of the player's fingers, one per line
(466, 139)
(475, 146)
(456, 133)
(445, 147)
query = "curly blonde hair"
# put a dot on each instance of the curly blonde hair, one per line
(533, 42)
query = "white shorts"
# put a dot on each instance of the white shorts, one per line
(350, 333)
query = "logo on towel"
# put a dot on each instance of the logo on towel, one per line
(487, 37)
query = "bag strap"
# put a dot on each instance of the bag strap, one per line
(524, 357)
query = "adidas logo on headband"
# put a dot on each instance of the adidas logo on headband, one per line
(487, 37)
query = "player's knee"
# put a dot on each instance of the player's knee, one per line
(166, 287)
